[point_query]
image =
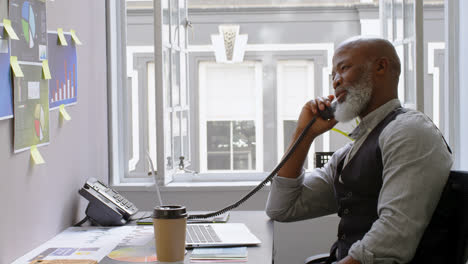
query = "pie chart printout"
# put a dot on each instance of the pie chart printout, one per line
(28, 23)
(28, 19)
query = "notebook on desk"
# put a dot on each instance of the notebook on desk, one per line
(219, 235)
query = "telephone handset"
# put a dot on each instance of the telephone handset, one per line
(326, 114)
(106, 207)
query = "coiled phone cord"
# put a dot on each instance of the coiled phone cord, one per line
(267, 179)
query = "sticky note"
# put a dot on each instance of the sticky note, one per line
(46, 70)
(75, 37)
(9, 29)
(64, 112)
(15, 66)
(62, 39)
(36, 155)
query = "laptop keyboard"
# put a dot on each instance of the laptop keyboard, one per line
(201, 234)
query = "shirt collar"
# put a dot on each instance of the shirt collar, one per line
(371, 120)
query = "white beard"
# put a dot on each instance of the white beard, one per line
(357, 99)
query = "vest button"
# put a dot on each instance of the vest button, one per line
(346, 211)
(343, 237)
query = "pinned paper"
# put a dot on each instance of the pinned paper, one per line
(15, 66)
(62, 39)
(64, 112)
(9, 29)
(36, 155)
(75, 37)
(46, 70)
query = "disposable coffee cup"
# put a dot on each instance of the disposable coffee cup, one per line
(170, 222)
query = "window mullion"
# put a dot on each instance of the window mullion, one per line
(162, 107)
(231, 140)
(392, 15)
(419, 54)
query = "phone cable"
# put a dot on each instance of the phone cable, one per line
(264, 182)
(82, 221)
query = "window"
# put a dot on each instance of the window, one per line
(231, 122)
(398, 21)
(295, 80)
(149, 84)
(402, 24)
(173, 101)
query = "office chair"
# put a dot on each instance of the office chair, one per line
(450, 216)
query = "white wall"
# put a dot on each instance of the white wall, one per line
(40, 201)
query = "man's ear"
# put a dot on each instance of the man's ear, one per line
(382, 65)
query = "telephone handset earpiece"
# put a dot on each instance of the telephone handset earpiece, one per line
(326, 114)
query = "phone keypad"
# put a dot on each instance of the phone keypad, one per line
(121, 201)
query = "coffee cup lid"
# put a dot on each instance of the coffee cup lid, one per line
(169, 212)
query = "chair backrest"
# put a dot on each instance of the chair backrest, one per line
(458, 181)
(450, 221)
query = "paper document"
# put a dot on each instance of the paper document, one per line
(79, 243)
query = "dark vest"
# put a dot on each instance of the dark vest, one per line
(358, 191)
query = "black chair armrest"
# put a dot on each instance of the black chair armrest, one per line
(316, 259)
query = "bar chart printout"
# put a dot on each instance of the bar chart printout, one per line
(63, 67)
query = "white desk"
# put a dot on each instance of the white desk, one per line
(257, 221)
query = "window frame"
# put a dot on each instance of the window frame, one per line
(141, 56)
(116, 19)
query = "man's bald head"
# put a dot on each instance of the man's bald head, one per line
(365, 75)
(374, 48)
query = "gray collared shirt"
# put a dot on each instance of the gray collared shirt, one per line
(416, 165)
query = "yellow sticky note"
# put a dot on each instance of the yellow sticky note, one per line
(75, 37)
(64, 112)
(62, 39)
(9, 29)
(46, 70)
(15, 66)
(36, 155)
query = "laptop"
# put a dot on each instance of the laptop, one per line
(211, 233)
(219, 235)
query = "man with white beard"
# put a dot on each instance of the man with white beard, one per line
(386, 184)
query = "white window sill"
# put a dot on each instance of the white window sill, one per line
(191, 186)
(202, 183)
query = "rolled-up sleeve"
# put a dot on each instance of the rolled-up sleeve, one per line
(307, 196)
(416, 166)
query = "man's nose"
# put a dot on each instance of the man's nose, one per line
(337, 81)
